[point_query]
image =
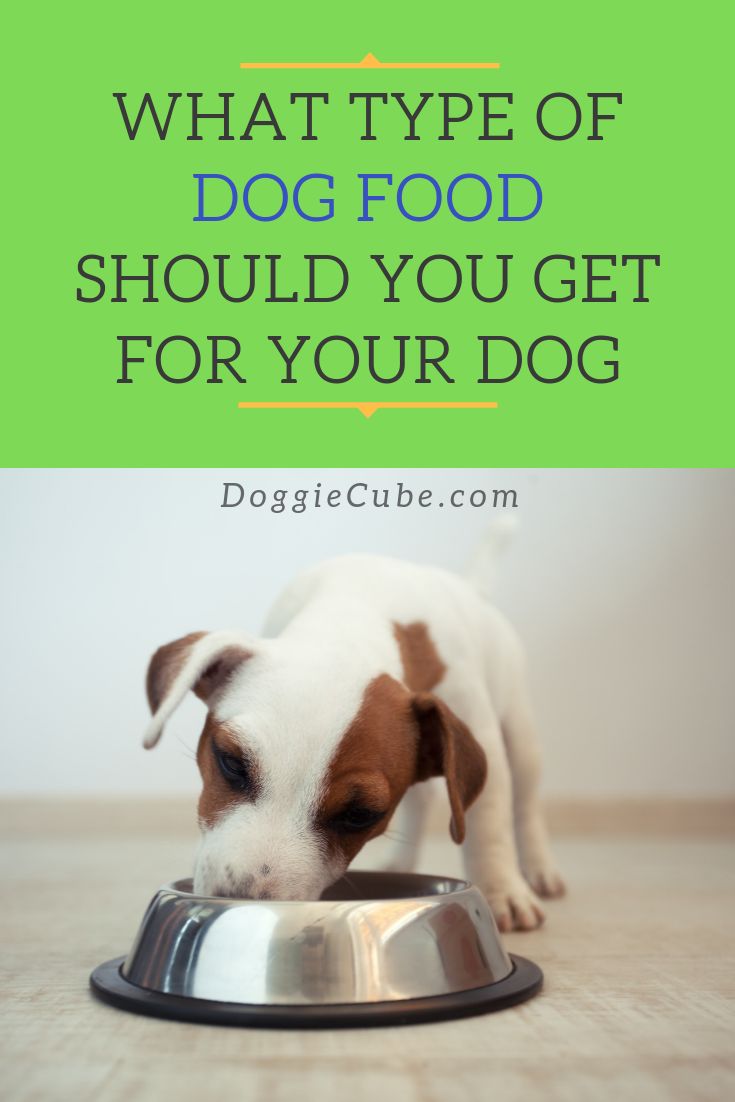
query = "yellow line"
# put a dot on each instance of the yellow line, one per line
(369, 62)
(367, 408)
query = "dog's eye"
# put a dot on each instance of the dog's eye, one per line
(354, 819)
(235, 771)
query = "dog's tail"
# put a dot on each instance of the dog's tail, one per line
(482, 568)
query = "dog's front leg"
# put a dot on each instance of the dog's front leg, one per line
(533, 840)
(489, 849)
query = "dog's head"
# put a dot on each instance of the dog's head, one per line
(303, 758)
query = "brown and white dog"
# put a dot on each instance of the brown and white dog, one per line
(374, 676)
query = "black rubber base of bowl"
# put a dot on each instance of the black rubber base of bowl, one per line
(109, 984)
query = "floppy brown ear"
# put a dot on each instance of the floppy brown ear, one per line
(201, 662)
(448, 748)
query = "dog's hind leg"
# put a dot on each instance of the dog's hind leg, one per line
(519, 734)
(407, 827)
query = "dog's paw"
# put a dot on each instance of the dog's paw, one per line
(514, 905)
(544, 878)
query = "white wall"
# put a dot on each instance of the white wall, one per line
(620, 581)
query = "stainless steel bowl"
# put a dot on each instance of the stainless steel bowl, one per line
(377, 947)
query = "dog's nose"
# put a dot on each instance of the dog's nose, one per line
(234, 884)
(261, 889)
(260, 886)
(247, 885)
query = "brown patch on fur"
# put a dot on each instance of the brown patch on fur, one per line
(168, 660)
(448, 748)
(422, 666)
(399, 738)
(217, 795)
(374, 764)
(164, 666)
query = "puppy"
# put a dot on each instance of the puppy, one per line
(374, 676)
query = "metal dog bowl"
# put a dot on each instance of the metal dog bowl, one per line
(376, 949)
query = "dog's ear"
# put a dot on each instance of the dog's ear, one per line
(447, 747)
(202, 662)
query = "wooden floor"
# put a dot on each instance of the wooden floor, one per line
(638, 1002)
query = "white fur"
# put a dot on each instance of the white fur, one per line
(330, 634)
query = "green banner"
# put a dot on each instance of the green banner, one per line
(330, 236)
